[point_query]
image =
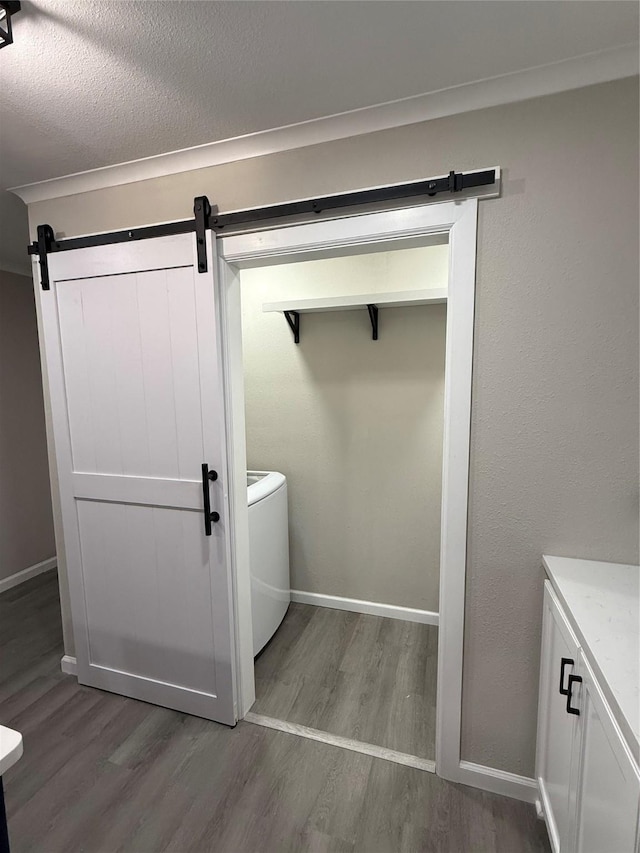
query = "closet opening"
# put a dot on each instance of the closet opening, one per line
(344, 454)
(350, 419)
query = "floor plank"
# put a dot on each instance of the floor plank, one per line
(361, 677)
(102, 773)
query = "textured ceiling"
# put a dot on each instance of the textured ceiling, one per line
(96, 82)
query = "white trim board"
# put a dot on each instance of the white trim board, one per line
(371, 749)
(373, 608)
(69, 665)
(498, 781)
(27, 574)
(586, 70)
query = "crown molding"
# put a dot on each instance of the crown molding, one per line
(586, 70)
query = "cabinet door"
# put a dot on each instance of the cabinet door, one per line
(607, 781)
(556, 728)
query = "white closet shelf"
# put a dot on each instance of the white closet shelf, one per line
(370, 301)
(396, 299)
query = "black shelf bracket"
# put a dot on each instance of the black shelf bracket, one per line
(45, 241)
(201, 212)
(373, 316)
(293, 319)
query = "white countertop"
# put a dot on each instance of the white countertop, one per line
(10, 748)
(602, 603)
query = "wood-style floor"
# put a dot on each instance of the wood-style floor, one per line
(105, 773)
(362, 677)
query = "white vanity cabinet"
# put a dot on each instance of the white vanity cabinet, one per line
(606, 780)
(586, 765)
(556, 728)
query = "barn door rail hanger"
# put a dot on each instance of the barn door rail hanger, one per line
(201, 213)
(45, 241)
(206, 216)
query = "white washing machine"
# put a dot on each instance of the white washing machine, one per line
(269, 553)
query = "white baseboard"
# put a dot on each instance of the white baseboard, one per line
(373, 608)
(69, 665)
(498, 781)
(27, 574)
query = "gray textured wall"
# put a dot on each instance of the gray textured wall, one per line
(26, 522)
(554, 463)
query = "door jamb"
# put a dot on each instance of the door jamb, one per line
(317, 239)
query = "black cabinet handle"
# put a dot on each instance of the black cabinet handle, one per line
(209, 516)
(564, 662)
(573, 679)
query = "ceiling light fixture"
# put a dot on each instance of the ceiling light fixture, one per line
(7, 9)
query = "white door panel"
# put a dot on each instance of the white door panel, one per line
(133, 398)
(136, 391)
(148, 592)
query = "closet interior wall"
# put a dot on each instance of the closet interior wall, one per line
(354, 424)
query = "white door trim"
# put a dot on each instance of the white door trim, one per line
(321, 239)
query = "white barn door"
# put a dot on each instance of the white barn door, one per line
(133, 354)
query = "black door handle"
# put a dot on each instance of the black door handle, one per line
(209, 516)
(572, 680)
(564, 662)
